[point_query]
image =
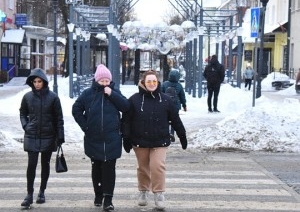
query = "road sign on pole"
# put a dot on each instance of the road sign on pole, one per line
(255, 16)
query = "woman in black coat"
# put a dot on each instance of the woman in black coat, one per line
(145, 127)
(42, 120)
(97, 112)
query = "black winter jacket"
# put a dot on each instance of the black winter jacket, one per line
(99, 118)
(41, 117)
(146, 124)
(214, 73)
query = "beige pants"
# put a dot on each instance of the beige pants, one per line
(151, 170)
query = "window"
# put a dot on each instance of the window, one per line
(4, 50)
(10, 4)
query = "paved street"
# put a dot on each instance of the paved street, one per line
(196, 181)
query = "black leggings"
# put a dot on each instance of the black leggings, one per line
(103, 177)
(213, 90)
(248, 82)
(31, 169)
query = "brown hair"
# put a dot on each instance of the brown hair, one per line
(150, 72)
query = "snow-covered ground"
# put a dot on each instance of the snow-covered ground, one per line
(271, 125)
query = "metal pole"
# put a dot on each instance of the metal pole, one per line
(239, 52)
(261, 47)
(200, 61)
(223, 48)
(255, 73)
(88, 49)
(217, 42)
(110, 42)
(208, 43)
(230, 65)
(55, 48)
(84, 57)
(186, 66)
(194, 67)
(71, 53)
(78, 56)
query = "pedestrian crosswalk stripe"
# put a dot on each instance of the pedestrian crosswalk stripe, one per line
(182, 191)
(133, 180)
(119, 204)
(133, 171)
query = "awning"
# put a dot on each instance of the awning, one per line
(58, 39)
(13, 36)
(272, 28)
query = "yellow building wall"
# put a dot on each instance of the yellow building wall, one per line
(280, 42)
(277, 49)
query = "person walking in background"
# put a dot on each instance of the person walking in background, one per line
(130, 68)
(145, 128)
(248, 75)
(97, 112)
(297, 82)
(214, 74)
(41, 117)
(174, 89)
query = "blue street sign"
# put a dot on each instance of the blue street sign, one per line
(255, 21)
(21, 19)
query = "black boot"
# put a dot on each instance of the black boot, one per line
(27, 201)
(107, 205)
(98, 200)
(41, 198)
(216, 110)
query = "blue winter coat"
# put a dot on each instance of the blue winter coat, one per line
(98, 115)
(173, 81)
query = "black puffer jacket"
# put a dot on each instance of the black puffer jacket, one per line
(147, 122)
(41, 116)
(214, 73)
(99, 118)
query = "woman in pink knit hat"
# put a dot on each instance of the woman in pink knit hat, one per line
(97, 112)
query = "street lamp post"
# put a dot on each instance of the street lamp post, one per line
(78, 47)
(70, 28)
(55, 47)
(261, 47)
(240, 6)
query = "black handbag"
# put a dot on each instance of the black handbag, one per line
(60, 163)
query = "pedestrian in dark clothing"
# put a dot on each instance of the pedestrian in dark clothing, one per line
(214, 74)
(42, 120)
(145, 128)
(173, 81)
(173, 86)
(130, 67)
(97, 112)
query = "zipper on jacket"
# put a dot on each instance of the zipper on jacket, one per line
(40, 123)
(102, 122)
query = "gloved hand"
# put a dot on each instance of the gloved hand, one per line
(127, 144)
(184, 108)
(183, 141)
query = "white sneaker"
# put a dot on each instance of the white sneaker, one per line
(143, 198)
(159, 200)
